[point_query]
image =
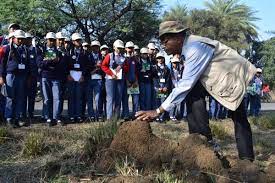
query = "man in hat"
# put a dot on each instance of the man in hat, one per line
(210, 67)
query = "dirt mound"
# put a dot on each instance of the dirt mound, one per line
(246, 171)
(152, 153)
(137, 141)
(271, 172)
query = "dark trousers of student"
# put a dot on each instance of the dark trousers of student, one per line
(198, 121)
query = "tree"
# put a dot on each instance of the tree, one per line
(95, 19)
(233, 11)
(177, 13)
(267, 55)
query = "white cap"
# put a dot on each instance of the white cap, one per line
(28, 35)
(160, 54)
(118, 44)
(259, 70)
(76, 36)
(85, 44)
(104, 46)
(151, 46)
(67, 39)
(175, 59)
(50, 35)
(13, 24)
(136, 47)
(144, 51)
(11, 35)
(19, 34)
(95, 43)
(59, 35)
(129, 44)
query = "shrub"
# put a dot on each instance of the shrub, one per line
(34, 145)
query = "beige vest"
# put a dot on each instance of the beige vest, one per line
(227, 75)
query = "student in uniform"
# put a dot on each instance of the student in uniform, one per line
(112, 65)
(162, 83)
(95, 82)
(15, 66)
(145, 80)
(178, 112)
(34, 52)
(53, 65)
(60, 45)
(131, 73)
(78, 67)
(104, 50)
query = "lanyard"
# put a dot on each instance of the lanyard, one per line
(17, 49)
(77, 55)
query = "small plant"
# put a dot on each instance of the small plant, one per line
(167, 177)
(126, 167)
(34, 145)
(218, 131)
(4, 133)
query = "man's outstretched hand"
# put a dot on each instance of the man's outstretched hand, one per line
(147, 115)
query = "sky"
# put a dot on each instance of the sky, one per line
(265, 11)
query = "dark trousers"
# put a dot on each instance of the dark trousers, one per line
(198, 121)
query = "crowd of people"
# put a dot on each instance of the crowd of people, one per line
(96, 79)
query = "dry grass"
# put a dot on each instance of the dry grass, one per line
(57, 153)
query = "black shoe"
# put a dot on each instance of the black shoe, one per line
(90, 119)
(126, 119)
(100, 119)
(60, 122)
(72, 120)
(50, 123)
(79, 120)
(15, 124)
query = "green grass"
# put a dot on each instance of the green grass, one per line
(4, 134)
(167, 177)
(218, 131)
(264, 122)
(33, 145)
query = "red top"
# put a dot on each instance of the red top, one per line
(105, 66)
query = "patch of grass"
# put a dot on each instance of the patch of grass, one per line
(4, 133)
(266, 122)
(263, 145)
(126, 167)
(218, 131)
(98, 135)
(59, 180)
(167, 177)
(34, 145)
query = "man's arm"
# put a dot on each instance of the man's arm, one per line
(197, 56)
